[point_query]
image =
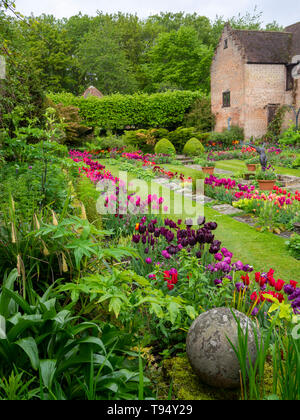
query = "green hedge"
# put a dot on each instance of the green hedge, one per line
(139, 110)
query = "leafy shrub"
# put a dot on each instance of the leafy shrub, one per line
(204, 137)
(165, 146)
(200, 116)
(290, 137)
(294, 246)
(228, 137)
(31, 189)
(75, 130)
(144, 140)
(139, 110)
(193, 147)
(296, 163)
(181, 136)
(61, 354)
(110, 142)
(205, 163)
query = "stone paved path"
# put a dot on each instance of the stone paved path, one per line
(226, 209)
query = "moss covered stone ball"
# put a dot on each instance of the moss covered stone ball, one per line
(193, 147)
(209, 351)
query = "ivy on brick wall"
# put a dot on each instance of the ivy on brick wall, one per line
(117, 112)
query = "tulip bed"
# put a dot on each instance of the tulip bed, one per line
(188, 265)
(161, 241)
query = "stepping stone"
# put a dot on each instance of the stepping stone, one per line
(226, 209)
(196, 167)
(222, 171)
(202, 198)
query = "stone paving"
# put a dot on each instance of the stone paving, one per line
(226, 209)
(186, 191)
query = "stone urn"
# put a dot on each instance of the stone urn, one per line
(251, 167)
(209, 350)
(266, 184)
(209, 170)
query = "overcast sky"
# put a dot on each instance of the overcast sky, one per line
(284, 12)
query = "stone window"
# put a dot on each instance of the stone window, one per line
(289, 78)
(226, 99)
(225, 44)
(271, 110)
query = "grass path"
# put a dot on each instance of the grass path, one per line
(236, 165)
(261, 250)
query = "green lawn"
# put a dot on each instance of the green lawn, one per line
(235, 165)
(262, 250)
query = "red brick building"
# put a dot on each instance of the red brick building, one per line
(251, 78)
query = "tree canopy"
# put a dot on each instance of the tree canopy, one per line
(117, 53)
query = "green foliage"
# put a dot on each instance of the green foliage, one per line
(293, 246)
(200, 116)
(290, 137)
(167, 68)
(193, 147)
(267, 174)
(275, 126)
(181, 136)
(108, 142)
(296, 162)
(164, 146)
(138, 110)
(99, 53)
(227, 137)
(25, 184)
(144, 140)
(204, 162)
(62, 356)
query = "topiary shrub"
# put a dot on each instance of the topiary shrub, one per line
(193, 147)
(164, 146)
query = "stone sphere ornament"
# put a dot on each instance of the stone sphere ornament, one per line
(209, 351)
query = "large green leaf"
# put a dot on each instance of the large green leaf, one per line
(18, 299)
(5, 299)
(30, 348)
(48, 369)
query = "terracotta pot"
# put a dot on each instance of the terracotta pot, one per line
(266, 184)
(209, 170)
(251, 167)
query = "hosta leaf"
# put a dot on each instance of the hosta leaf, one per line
(5, 299)
(30, 348)
(48, 369)
(2, 328)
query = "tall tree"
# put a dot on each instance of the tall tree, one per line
(102, 59)
(179, 60)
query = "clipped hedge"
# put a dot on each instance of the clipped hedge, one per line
(193, 148)
(164, 146)
(139, 110)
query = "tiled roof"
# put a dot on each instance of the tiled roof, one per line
(269, 47)
(92, 91)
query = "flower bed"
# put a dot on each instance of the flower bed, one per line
(183, 260)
